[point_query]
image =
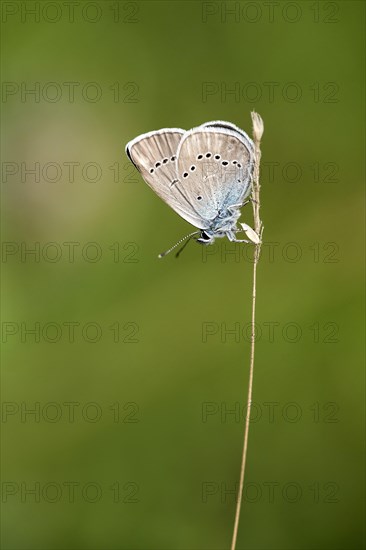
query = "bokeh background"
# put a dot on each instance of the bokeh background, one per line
(136, 383)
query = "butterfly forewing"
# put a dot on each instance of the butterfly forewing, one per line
(154, 155)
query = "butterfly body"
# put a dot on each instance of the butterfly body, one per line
(224, 225)
(204, 174)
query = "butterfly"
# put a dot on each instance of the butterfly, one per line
(204, 174)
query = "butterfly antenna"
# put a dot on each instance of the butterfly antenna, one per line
(163, 254)
(183, 247)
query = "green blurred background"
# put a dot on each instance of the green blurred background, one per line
(132, 370)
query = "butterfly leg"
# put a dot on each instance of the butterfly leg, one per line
(234, 206)
(231, 236)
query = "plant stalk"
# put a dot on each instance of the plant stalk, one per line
(258, 226)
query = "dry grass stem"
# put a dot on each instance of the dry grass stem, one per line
(258, 226)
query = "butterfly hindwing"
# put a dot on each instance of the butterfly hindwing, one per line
(221, 124)
(215, 165)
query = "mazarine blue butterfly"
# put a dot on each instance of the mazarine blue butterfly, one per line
(204, 174)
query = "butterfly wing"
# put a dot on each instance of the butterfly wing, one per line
(154, 155)
(221, 124)
(215, 164)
